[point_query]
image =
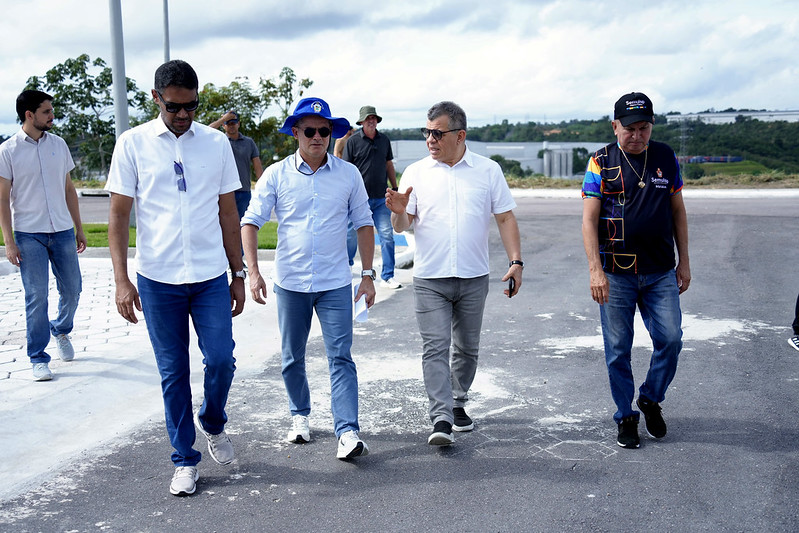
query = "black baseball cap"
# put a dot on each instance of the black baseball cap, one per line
(633, 107)
(235, 117)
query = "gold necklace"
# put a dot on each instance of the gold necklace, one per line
(641, 183)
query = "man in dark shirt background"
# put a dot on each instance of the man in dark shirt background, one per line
(370, 151)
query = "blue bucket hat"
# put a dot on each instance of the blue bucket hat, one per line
(315, 106)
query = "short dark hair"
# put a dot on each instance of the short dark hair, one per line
(456, 115)
(30, 100)
(175, 73)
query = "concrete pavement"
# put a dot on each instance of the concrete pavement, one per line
(542, 457)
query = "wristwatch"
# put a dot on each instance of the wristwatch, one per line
(240, 274)
(371, 273)
(516, 262)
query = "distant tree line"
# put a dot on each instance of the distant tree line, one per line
(772, 144)
(84, 117)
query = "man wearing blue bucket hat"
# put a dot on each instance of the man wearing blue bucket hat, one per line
(314, 197)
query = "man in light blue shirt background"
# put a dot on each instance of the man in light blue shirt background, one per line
(314, 197)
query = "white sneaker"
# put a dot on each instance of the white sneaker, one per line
(65, 350)
(299, 433)
(219, 445)
(390, 283)
(41, 372)
(184, 481)
(350, 446)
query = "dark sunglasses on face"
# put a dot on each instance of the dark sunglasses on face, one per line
(310, 132)
(437, 134)
(172, 107)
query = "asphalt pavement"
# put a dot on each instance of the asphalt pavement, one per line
(542, 456)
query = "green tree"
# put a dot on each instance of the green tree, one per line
(510, 167)
(81, 88)
(580, 159)
(262, 110)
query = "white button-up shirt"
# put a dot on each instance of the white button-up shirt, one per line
(453, 208)
(312, 215)
(38, 174)
(178, 234)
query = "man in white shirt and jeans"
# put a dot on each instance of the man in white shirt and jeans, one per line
(449, 198)
(38, 209)
(182, 175)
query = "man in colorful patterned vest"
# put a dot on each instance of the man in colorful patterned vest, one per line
(633, 215)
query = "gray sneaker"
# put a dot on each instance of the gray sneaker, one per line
(65, 350)
(219, 445)
(184, 481)
(391, 283)
(350, 446)
(41, 372)
(300, 431)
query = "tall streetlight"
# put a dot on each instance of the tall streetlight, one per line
(119, 83)
(166, 31)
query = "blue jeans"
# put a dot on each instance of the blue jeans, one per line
(449, 311)
(657, 297)
(38, 250)
(242, 201)
(334, 310)
(167, 309)
(381, 215)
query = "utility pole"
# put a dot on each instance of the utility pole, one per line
(119, 80)
(683, 137)
(166, 31)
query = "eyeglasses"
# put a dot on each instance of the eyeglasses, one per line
(181, 177)
(310, 132)
(172, 107)
(232, 121)
(437, 134)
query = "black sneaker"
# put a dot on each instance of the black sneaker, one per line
(628, 433)
(462, 420)
(442, 434)
(655, 425)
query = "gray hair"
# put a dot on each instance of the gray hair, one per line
(456, 115)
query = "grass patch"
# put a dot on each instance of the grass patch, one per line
(97, 236)
(539, 181)
(771, 179)
(744, 175)
(733, 169)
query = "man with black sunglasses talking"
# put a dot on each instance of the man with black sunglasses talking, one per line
(314, 197)
(450, 197)
(181, 175)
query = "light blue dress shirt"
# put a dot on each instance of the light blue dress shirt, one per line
(312, 213)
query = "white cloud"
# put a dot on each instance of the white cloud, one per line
(543, 60)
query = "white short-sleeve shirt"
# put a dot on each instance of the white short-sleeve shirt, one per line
(453, 207)
(38, 173)
(178, 234)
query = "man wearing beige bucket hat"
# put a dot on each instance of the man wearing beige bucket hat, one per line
(370, 151)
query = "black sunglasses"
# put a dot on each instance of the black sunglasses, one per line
(172, 107)
(437, 134)
(181, 176)
(310, 132)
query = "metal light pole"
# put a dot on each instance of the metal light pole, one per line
(119, 84)
(166, 31)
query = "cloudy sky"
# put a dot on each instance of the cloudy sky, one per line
(539, 60)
